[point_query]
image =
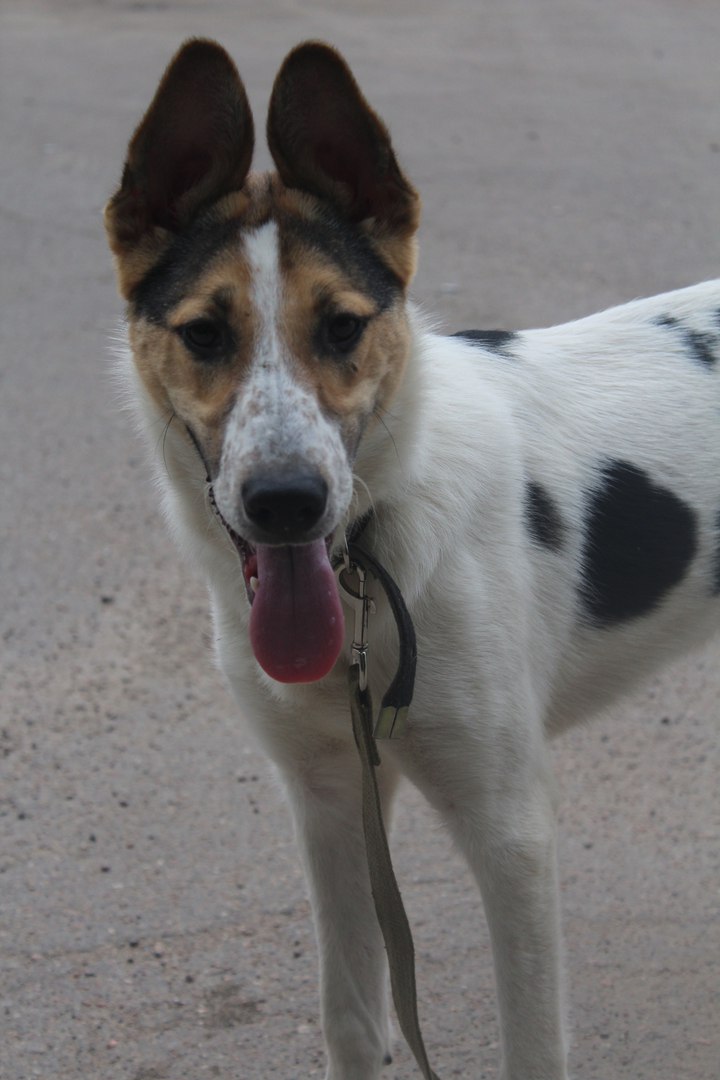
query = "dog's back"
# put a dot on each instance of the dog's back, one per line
(618, 419)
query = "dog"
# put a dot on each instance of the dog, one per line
(548, 503)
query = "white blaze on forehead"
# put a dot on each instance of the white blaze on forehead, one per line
(262, 252)
(277, 422)
(272, 398)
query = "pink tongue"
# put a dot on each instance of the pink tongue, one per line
(296, 621)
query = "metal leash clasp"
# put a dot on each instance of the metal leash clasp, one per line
(355, 596)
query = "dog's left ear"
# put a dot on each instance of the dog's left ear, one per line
(326, 140)
(193, 146)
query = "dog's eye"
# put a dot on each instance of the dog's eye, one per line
(205, 338)
(342, 332)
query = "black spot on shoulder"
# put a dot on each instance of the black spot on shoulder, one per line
(498, 341)
(543, 517)
(640, 539)
(701, 347)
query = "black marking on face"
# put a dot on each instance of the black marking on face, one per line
(175, 273)
(347, 246)
(497, 341)
(700, 346)
(716, 567)
(543, 517)
(639, 542)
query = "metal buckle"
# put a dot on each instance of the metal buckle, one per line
(362, 606)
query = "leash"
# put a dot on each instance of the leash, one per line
(352, 575)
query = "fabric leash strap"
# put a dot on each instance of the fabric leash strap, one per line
(386, 893)
(390, 723)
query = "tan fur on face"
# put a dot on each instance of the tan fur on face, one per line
(349, 387)
(352, 385)
(366, 380)
(395, 245)
(182, 388)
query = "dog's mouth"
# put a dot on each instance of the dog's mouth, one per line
(297, 627)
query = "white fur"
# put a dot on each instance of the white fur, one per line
(277, 423)
(504, 658)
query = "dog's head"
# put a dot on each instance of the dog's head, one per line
(266, 313)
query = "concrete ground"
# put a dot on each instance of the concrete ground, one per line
(153, 922)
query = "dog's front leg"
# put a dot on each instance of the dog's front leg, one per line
(516, 870)
(325, 798)
(496, 798)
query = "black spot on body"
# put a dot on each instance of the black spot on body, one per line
(496, 340)
(543, 517)
(700, 346)
(640, 539)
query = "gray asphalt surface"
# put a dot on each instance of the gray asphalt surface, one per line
(153, 922)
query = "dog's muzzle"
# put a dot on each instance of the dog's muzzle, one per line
(297, 626)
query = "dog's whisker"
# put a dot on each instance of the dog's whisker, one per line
(163, 438)
(355, 498)
(378, 416)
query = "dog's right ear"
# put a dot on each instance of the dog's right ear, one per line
(193, 146)
(326, 140)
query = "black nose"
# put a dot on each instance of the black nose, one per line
(285, 508)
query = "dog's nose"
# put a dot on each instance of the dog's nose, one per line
(285, 508)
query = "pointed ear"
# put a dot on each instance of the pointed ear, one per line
(193, 146)
(325, 139)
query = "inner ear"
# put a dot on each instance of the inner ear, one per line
(193, 145)
(325, 139)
